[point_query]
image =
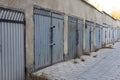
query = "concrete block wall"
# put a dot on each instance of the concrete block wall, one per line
(76, 8)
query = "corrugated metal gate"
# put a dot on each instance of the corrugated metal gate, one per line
(98, 36)
(89, 36)
(48, 37)
(11, 45)
(75, 37)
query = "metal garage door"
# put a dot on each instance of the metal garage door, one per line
(112, 35)
(48, 38)
(104, 36)
(11, 45)
(98, 36)
(101, 36)
(107, 35)
(115, 34)
(58, 45)
(42, 21)
(89, 36)
(87, 27)
(72, 36)
(118, 33)
(75, 37)
(101, 32)
(80, 37)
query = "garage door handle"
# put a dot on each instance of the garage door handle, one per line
(52, 44)
(52, 27)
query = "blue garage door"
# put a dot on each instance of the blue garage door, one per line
(75, 37)
(98, 36)
(80, 37)
(48, 37)
(89, 36)
(58, 32)
(72, 36)
(42, 21)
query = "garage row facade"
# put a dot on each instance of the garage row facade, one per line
(35, 34)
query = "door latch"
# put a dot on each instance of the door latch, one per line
(52, 44)
(52, 27)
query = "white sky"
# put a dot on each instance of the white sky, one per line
(108, 5)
